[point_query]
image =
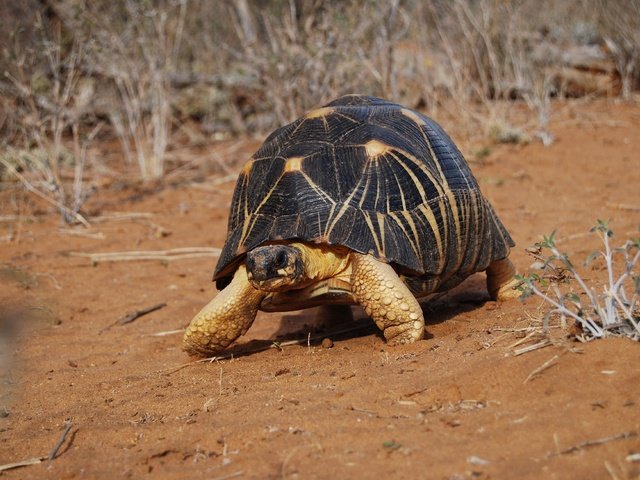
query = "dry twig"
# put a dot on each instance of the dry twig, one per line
(63, 436)
(82, 233)
(624, 206)
(166, 332)
(16, 218)
(548, 364)
(36, 460)
(120, 216)
(163, 255)
(531, 348)
(591, 443)
(139, 313)
(23, 463)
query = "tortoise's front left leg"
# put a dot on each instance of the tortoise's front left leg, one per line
(386, 299)
(225, 318)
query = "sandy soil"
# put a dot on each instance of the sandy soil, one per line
(456, 405)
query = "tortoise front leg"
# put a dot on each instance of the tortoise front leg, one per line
(225, 318)
(386, 299)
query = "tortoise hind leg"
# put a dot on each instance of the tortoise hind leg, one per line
(386, 299)
(225, 318)
(501, 280)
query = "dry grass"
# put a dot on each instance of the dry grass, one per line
(54, 103)
(249, 66)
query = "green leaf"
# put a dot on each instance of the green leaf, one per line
(548, 241)
(603, 226)
(564, 258)
(391, 445)
(572, 297)
(591, 257)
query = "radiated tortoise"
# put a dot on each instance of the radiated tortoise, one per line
(363, 202)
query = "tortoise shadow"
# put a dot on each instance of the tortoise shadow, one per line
(305, 334)
(301, 328)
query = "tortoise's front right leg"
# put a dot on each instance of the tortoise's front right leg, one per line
(377, 287)
(225, 318)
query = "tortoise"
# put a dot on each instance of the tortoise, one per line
(361, 201)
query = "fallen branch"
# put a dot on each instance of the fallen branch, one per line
(165, 333)
(139, 313)
(23, 463)
(531, 348)
(533, 332)
(169, 371)
(16, 218)
(81, 233)
(162, 255)
(35, 460)
(624, 206)
(363, 410)
(591, 443)
(120, 216)
(63, 436)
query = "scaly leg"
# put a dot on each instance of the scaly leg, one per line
(386, 299)
(501, 280)
(225, 318)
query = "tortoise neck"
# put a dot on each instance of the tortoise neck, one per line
(322, 261)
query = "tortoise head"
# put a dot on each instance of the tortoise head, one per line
(275, 268)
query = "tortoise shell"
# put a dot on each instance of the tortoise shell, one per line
(372, 176)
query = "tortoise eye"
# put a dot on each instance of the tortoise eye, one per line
(250, 263)
(281, 259)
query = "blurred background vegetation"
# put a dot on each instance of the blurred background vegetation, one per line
(151, 75)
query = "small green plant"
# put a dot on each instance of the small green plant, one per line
(483, 153)
(615, 310)
(391, 445)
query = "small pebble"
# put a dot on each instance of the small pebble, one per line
(491, 305)
(327, 343)
(473, 460)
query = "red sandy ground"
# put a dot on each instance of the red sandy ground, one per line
(453, 406)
